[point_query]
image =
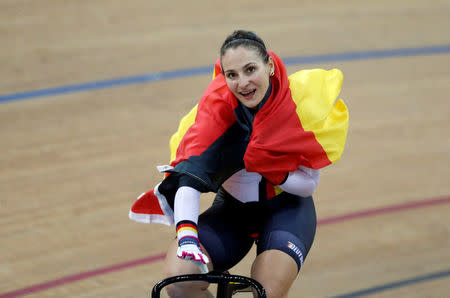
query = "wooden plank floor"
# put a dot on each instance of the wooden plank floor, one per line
(73, 160)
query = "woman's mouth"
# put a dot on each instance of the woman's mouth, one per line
(248, 94)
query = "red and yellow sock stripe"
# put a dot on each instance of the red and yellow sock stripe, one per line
(187, 228)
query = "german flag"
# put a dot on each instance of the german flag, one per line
(302, 123)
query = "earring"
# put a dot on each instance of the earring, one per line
(272, 73)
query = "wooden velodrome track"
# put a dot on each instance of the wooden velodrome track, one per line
(74, 154)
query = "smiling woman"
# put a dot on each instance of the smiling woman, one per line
(91, 92)
(247, 67)
(249, 81)
(247, 76)
(257, 138)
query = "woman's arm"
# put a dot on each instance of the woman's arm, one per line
(186, 206)
(302, 182)
(186, 211)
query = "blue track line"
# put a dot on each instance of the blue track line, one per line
(398, 284)
(160, 76)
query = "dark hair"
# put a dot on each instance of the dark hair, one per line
(247, 39)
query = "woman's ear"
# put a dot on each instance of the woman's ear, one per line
(271, 66)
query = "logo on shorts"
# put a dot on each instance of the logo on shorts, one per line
(296, 250)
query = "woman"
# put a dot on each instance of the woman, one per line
(258, 139)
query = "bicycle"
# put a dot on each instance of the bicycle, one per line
(227, 284)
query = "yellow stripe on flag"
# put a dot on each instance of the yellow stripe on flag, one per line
(315, 92)
(184, 125)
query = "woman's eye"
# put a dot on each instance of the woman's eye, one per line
(231, 75)
(251, 69)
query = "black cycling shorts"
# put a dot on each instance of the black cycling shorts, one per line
(229, 227)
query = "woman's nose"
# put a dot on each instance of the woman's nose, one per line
(242, 82)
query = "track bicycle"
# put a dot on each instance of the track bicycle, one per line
(227, 284)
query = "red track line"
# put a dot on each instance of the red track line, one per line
(382, 210)
(76, 277)
(151, 259)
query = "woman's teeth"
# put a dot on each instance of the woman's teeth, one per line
(248, 93)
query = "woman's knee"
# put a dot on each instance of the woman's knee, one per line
(188, 289)
(276, 271)
(175, 266)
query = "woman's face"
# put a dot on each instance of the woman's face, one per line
(246, 74)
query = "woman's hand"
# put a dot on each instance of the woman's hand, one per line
(188, 245)
(189, 249)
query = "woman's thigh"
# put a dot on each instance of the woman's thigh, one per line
(284, 242)
(290, 227)
(222, 230)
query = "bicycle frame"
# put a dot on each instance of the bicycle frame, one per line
(225, 283)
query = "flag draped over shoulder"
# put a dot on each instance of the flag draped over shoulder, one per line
(302, 123)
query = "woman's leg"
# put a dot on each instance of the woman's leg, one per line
(176, 266)
(221, 228)
(284, 242)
